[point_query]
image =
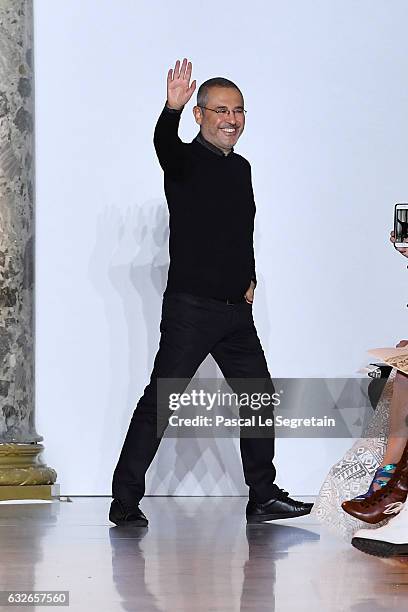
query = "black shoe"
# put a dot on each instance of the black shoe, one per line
(126, 517)
(379, 548)
(279, 507)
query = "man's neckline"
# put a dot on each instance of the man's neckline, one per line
(200, 138)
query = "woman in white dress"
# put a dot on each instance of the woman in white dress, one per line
(371, 461)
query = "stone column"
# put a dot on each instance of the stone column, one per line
(22, 473)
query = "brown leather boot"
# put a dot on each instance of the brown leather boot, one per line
(385, 502)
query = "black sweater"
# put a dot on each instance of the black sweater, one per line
(212, 210)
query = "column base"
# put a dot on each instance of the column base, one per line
(51, 492)
(23, 475)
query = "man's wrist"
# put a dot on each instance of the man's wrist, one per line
(170, 109)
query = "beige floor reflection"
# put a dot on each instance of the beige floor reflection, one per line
(129, 569)
(364, 583)
(267, 544)
(198, 554)
(24, 527)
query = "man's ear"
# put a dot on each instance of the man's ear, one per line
(198, 114)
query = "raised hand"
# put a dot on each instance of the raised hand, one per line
(179, 91)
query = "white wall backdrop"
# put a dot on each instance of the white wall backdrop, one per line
(326, 91)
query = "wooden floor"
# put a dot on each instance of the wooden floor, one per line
(196, 555)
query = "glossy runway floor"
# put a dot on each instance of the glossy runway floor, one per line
(197, 555)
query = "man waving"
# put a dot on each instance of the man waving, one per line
(207, 304)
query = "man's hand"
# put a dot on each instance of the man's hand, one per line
(249, 294)
(402, 343)
(403, 251)
(178, 89)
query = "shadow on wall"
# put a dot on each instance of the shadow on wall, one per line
(131, 256)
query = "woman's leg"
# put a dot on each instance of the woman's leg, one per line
(398, 420)
(398, 434)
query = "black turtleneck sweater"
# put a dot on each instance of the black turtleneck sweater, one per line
(212, 209)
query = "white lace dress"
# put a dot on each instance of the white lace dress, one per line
(352, 475)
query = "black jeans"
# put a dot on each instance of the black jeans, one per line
(191, 328)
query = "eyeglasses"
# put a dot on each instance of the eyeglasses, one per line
(225, 112)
